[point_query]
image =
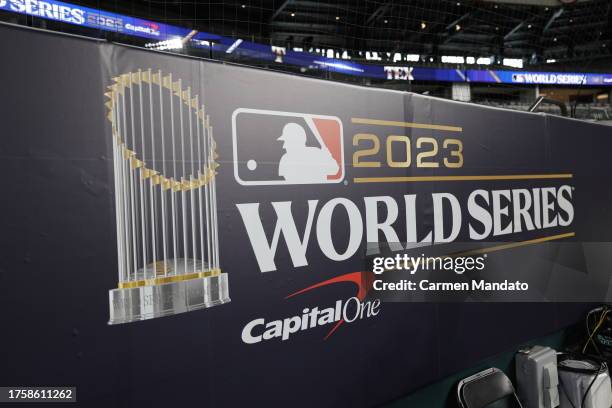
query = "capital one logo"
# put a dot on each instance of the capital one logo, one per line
(283, 148)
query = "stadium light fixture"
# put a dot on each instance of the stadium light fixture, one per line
(513, 62)
(452, 59)
(172, 44)
(373, 56)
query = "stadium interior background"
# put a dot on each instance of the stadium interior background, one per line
(526, 35)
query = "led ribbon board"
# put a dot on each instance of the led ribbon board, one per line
(107, 21)
(92, 18)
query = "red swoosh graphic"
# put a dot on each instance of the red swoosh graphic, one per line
(363, 280)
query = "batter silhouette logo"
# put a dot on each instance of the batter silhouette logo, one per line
(284, 148)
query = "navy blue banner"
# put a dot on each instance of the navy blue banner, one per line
(219, 217)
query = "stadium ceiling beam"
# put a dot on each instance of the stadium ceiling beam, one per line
(513, 43)
(279, 10)
(315, 5)
(552, 19)
(433, 28)
(585, 26)
(328, 40)
(451, 27)
(526, 21)
(380, 11)
(311, 14)
(470, 40)
(477, 36)
(324, 28)
(473, 49)
(543, 3)
(457, 21)
(608, 33)
(514, 30)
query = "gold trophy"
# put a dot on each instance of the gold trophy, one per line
(165, 199)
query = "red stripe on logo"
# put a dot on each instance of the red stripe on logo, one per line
(329, 129)
(363, 280)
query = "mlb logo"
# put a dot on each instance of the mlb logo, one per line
(283, 148)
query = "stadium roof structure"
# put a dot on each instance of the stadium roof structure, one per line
(568, 31)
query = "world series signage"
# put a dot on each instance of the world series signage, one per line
(279, 235)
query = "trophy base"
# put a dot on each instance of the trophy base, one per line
(166, 299)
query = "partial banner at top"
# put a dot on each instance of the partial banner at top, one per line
(122, 24)
(92, 18)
